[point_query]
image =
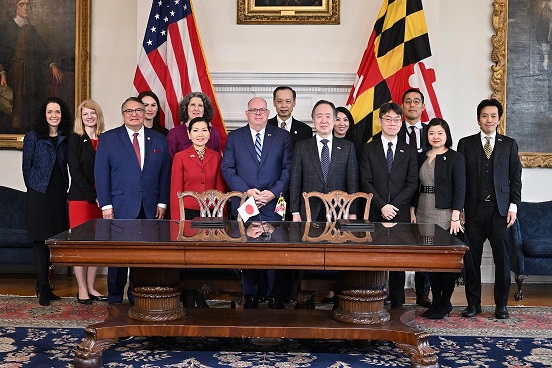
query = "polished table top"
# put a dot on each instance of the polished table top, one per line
(296, 245)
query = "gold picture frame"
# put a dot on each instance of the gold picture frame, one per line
(280, 12)
(82, 67)
(499, 78)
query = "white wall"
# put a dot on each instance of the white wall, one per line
(459, 32)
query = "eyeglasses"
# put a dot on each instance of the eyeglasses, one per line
(137, 111)
(414, 102)
(388, 120)
(258, 111)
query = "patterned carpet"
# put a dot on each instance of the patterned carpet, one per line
(35, 336)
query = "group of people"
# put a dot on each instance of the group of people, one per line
(135, 171)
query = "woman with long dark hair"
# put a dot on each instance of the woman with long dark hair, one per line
(152, 117)
(442, 191)
(46, 178)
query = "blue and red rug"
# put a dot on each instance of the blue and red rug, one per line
(34, 336)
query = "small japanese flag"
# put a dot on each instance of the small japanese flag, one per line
(248, 209)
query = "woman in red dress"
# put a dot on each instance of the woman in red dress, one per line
(83, 201)
(197, 168)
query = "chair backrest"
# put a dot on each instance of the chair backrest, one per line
(535, 219)
(212, 203)
(337, 204)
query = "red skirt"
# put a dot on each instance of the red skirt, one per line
(82, 211)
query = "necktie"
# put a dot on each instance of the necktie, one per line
(325, 159)
(283, 125)
(412, 138)
(136, 147)
(389, 156)
(258, 148)
(487, 147)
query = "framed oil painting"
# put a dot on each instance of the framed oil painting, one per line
(522, 75)
(44, 51)
(288, 11)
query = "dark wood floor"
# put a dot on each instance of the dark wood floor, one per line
(24, 284)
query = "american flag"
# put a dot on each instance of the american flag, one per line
(172, 63)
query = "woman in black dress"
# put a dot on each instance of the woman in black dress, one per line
(46, 178)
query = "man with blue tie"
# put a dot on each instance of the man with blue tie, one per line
(132, 172)
(257, 160)
(389, 170)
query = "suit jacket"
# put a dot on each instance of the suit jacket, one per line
(188, 173)
(449, 179)
(39, 158)
(119, 180)
(81, 156)
(401, 184)
(241, 171)
(506, 172)
(423, 135)
(306, 173)
(299, 131)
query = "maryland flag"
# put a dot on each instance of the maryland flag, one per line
(397, 58)
(280, 206)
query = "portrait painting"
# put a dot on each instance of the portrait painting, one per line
(522, 75)
(288, 11)
(38, 41)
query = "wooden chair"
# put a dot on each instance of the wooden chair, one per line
(212, 203)
(337, 204)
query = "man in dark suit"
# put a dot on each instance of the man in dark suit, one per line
(493, 190)
(283, 99)
(284, 102)
(414, 133)
(389, 170)
(322, 163)
(257, 160)
(132, 172)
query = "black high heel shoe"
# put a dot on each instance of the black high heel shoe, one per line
(97, 298)
(83, 301)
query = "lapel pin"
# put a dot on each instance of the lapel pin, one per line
(192, 155)
(148, 138)
(295, 132)
(500, 140)
(444, 158)
(86, 140)
(401, 151)
(269, 135)
(338, 147)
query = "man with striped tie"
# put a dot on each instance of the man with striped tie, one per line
(257, 160)
(389, 170)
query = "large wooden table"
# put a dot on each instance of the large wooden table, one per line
(158, 249)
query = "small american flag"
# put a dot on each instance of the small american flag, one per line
(172, 63)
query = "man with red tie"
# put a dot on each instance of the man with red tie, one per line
(132, 172)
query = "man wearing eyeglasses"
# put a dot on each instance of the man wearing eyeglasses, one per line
(389, 170)
(132, 173)
(414, 133)
(257, 160)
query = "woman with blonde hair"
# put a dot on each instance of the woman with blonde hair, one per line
(83, 201)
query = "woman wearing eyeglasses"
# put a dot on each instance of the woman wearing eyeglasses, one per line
(195, 104)
(440, 200)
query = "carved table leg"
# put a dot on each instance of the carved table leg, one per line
(361, 302)
(156, 295)
(88, 353)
